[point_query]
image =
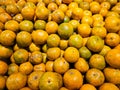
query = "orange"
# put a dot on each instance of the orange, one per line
(103, 12)
(77, 13)
(74, 23)
(95, 77)
(95, 43)
(21, 4)
(97, 61)
(73, 5)
(2, 82)
(66, 19)
(87, 20)
(28, 13)
(33, 47)
(16, 81)
(84, 5)
(112, 13)
(85, 41)
(69, 13)
(63, 88)
(106, 5)
(7, 37)
(88, 87)
(44, 48)
(30, 4)
(109, 86)
(23, 39)
(26, 25)
(12, 25)
(67, 1)
(97, 17)
(71, 54)
(34, 1)
(3, 70)
(20, 56)
(53, 40)
(88, 1)
(2, 25)
(112, 75)
(104, 51)
(60, 65)
(4, 17)
(49, 66)
(18, 17)
(87, 13)
(39, 37)
(16, 47)
(39, 67)
(117, 47)
(26, 88)
(99, 31)
(36, 57)
(41, 12)
(63, 44)
(84, 30)
(75, 40)
(116, 8)
(112, 2)
(112, 39)
(58, 16)
(112, 58)
(72, 79)
(81, 65)
(47, 1)
(63, 7)
(59, 2)
(112, 24)
(51, 27)
(33, 79)
(65, 30)
(53, 53)
(52, 6)
(26, 68)
(40, 24)
(12, 68)
(2, 10)
(99, 23)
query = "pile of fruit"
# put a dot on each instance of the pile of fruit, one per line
(59, 44)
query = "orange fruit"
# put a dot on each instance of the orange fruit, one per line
(60, 65)
(7, 37)
(41, 12)
(73, 5)
(53, 53)
(5, 52)
(87, 20)
(13, 68)
(39, 37)
(12, 25)
(69, 13)
(53, 40)
(112, 75)
(40, 24)
(95, 43)
(106, 5)
(85, 52)
(97, 17)
(67, 1)
(51, 27)
(26, 68)
(47, 1)
(1, 26)
(2, 82)
(116, 8)
(2, 10)
(112, 58)
(73, 79)
(63, 44)
(52, 6)
(66, 19)
(117, 47)
(75, 40)
(103, 11)
(65, 30)
(84, 29)
(99, 31)
(63, 88)
(49, 66)
(74, 23)
(63, 7)
(16, 81)
(109, 86)
(33, 47)
(84, 5)
(3, 70)
(81, 65)
(36, 57)
(18, 18)
(26, 88)
(39, 67)
(112, 39)
(57, 16)
(95, 77)
(85, 40)
(97, 61)
(71, 54)
(99, 23)
(87, 13)
(77, 13)
(87, 87)
(20, 56)
(33, 1)
(112, 2)
(33, 79)
(23, 39)
(112, 13)
(4, 17)
(26, 25)
(104, 50)
(112, 24)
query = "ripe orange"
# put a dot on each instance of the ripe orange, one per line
(2, 82)
(106, 5)
(63, 44)
(49, 66)
(73, 5)
(4, 67)
(52, 6)
(87, 87)
(104, 50)
(71, 54)
(87, 20)
(84, 5)
(63, 88)
(103, 12)
(40, 24)
(33, 47)
(39, 67)
(13, 68)
(95, 77)
(73, 79)
(97, 17)
(74, 23)
(87, 13)
(4, 17)
(18, 17)
(63, 7)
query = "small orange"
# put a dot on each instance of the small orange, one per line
(26, 68)
(103, 12)
(4, 17)
(2, 82)
(106, 5)
(112, 13)
(99, 23)
(69, 13)
(104, 51)
(33, 47)
(95, 77)
(40, 24)
(12, 25)
(74, 23)
(63, 44)
(60, 65)
(73, 5)
(52, 6)
(13, 68)
(39, 37)
(3, 70)
(39, 67)
(63, 7)
(97, 17)
(18, 17)
(87, 87)
(81, 65)
(71, 54)
(7, 37)
(63, 88)
(73, 79)
(87, 13)
(84, 5)
(49, 66)
(51, 27)
(112, 39)
(109, 86)
(112, 2)
(30, 4)
(34, 1)
(87, 20)
(84, 30)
